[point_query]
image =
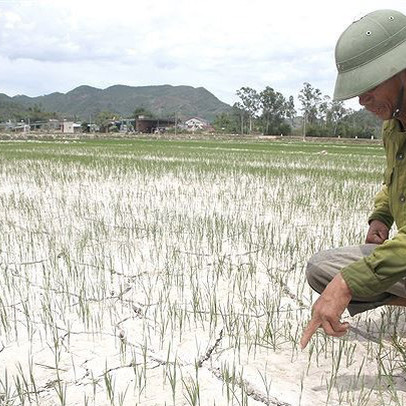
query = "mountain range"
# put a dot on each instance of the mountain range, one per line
(85, 102)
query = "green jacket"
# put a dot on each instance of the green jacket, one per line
(387, 263)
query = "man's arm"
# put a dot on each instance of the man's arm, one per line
(329, 307)
(368, 276)
(380, 270)
(327, 311)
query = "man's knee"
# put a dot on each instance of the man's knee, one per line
(320, 270)
(325, 265)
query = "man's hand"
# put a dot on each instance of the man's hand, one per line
(377, 233)
(327, 311)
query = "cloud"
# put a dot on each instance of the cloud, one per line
(221, 45)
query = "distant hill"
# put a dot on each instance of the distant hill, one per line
(85, 101)
(9, 108)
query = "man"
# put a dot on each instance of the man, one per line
(371, 64)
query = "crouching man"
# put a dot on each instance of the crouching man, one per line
(371, 64)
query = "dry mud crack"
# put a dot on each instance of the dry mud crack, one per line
(148, 273)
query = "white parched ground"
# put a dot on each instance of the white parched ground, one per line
(153, 272)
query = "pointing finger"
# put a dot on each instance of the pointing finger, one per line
(311, 328)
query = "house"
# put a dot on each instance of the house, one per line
(8, 125)
(197, 123)
(21, 128)
(126, 125)
(53, 124)
(38, 125)
(69, 127)
(144, 124)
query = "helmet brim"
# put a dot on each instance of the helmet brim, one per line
(354, 82)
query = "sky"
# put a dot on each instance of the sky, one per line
(222, 45)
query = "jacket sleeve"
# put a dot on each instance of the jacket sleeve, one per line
(381, 208)
(375, 273)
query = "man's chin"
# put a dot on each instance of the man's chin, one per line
(383, 114)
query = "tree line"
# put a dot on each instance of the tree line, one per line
(266, 112)
(270, 112)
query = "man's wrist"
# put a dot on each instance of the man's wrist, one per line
(386, 220)
(339, 288)
(344, 288)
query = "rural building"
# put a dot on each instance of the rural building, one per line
(197, 123)
(8, 125)
(21, 128)
(126, 125)
(153, 125)
(69, 127)
(18, 127)
(53, 124)
(40, 125)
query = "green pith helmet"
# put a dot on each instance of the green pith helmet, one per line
(370, 51)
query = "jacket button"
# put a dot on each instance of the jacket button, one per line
(400, 156)
(402, 198)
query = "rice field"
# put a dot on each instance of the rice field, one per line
(157, 272)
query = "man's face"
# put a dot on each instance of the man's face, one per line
(382, 100)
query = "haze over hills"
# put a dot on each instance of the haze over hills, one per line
(86, 101)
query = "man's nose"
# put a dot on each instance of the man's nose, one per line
(364, 98)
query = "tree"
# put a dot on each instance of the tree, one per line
(36, 113)
(323, 109)
(310, 99)
(226, 123)
(142, 111)
(105, 120)
(290, 109)
(273, 106)
(85, 127)
(250, 103)
(335, 113)
(361, 124)
(241, 114)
